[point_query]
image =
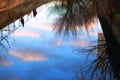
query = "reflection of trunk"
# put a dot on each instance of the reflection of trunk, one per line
(113, 47)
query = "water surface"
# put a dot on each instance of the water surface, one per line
(36, 53)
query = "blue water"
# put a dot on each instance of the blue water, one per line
(36, 53)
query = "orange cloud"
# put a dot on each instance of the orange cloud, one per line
(28, 56)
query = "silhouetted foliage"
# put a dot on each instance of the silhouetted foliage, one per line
(74, 15)
(78, 13)
(100, 67)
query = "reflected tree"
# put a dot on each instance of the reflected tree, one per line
(4, 47)
(78, 13)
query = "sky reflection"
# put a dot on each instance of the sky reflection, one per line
(28, 55)
(37, 54)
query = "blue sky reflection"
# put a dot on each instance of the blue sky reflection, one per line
(37, 54)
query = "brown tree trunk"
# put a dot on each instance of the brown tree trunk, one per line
(113, 47)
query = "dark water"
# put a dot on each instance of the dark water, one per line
(36, 53)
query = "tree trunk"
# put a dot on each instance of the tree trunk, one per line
(113, 47)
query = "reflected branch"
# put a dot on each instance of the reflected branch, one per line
(75, 15)
(99, 68)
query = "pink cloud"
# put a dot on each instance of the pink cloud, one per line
(57, 43)
(79, 43)
(28, 55)
(36, 24)
(27, 33)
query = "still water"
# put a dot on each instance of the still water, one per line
(36, 53)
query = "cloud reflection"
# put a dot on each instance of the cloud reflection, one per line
(79, 43)
(28, 56)
(36, 24)
(5, 63)
(27, 33)
(56, 43)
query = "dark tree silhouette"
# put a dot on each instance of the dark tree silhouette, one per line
(77, 13)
